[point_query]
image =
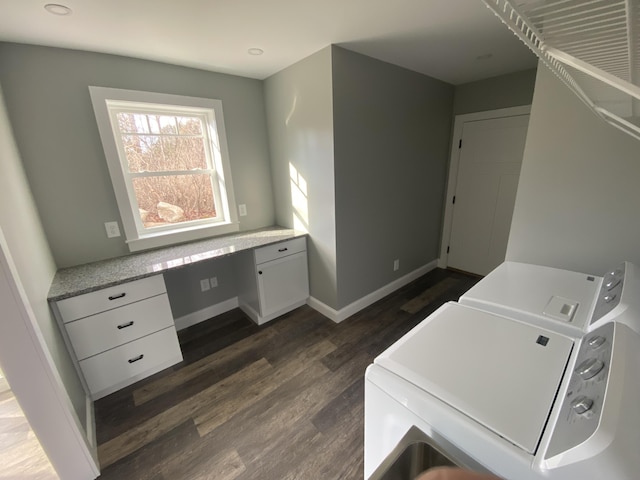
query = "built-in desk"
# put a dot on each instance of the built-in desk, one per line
(69, 282)
(115, 314)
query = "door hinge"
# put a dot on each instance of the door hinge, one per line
(460, 144)
(454, 200)
(447, 249)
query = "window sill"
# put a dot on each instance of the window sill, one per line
(164, 239)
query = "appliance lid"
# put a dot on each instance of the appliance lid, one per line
(501, 373)
(527, 291)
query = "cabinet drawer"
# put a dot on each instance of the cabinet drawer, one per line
(111, 297)
(133, 359)
(106, 330)
(279, 250)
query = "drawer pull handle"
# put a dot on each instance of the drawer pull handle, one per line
(259, 272)
(115, 297)
(283, 249)
(134, 360)
(125, 325)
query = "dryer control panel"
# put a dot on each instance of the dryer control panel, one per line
(582, 405)
(610, 293)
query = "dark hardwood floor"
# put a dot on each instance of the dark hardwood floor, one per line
(280, 401)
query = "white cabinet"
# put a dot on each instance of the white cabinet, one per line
(130, 362)
(120, 334)
(274, 280)
(105, 330)
(282, 283)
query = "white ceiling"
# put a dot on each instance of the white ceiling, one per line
(440, 38)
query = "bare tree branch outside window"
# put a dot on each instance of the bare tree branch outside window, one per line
(167, 156)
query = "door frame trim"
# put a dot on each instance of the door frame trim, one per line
(36, 384)
(454, 162)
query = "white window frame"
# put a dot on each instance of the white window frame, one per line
(106, 102)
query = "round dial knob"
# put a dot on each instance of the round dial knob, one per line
(596, 341)
(589, 368)
(581, 404)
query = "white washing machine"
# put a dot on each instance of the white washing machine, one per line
(568, 302)
(509, 396)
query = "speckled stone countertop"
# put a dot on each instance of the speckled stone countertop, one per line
(72, 281)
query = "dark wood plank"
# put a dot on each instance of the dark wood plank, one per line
(145, 464)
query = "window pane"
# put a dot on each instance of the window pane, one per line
(167, 124)
(189, 126)
(155, 153)
(133, 123)
(183, 153)
(154, 124)
(143, 152)
(126, 122)
(174, 199)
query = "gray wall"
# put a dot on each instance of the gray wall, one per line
(510, 90)
(300, 120)
(578, 197)
(183, 285)
(47, 98)
(391, 136)
(33, 261)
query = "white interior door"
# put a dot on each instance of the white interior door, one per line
(488, 172)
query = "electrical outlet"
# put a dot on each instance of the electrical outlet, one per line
(396, 264)
(242, 209)
(112, 229)
(214, 282)
(204, 285)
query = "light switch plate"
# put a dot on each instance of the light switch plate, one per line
(242, 209)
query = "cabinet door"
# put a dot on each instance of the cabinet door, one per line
(282, 282)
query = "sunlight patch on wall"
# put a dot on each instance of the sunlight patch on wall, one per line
(299, 200)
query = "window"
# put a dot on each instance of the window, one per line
(169, 165)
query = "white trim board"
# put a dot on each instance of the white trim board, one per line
(36, 383)
(454, 161)
(339, 315)
(205, 314)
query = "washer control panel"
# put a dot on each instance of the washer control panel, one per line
(582, 405)
(610, 293)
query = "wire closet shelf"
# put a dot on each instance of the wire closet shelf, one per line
(593, 46)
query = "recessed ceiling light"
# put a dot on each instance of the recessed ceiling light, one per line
(255, 51)
(57, 9)
(486, 56)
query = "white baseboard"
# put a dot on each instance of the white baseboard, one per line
(344, 313)
(205, 313)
